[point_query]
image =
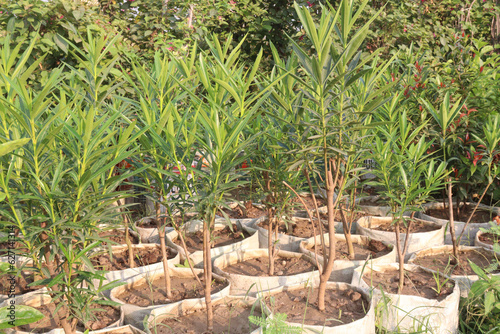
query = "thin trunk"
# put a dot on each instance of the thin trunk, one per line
(321, 233)
(189, 261)
(190, 17)
(347, 233)
(474, 211)
(455, 259)
(207, 266)
(65, 323)
(270, 244)
(161, 234)
(408, 229)
(401, 258)
(126, 221)
(328, 267)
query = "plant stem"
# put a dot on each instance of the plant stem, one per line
(161, 234)
(321, 233)
(401, 258)
(454, 242)
(347, 234)
(207, 266)
(474, 211)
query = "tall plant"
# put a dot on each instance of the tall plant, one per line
(329, 74)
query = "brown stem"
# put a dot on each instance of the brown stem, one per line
(321, 233)
(401, 258)
(328, 267)
(270, 243)
(312, 222)
(161, 234)
(407, 237)
(347, 233)
(454, 242)
(189, 261)
(474, 211)
(207, 266)
(69, 328)
(131, 262)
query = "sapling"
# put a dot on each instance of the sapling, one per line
(329, 76)
(407, 175)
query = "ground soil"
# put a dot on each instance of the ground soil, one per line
(119, 261)
(416, 284)
(223, 237)
(300, 228)
(249, 211)
(103, 318)
(480, 216)
(489, 238)
(21, 285)
(308, 200)
(342, 307)
(151, 222)
(442, 262)
(118, 237)
(228, 319)
(348, 215)
(374, 249)
(416, 227)
(154, 293)
(260, 267)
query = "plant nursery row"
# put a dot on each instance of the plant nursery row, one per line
(339, 192)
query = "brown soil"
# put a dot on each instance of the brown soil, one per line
(442, 262)
(342, 307)
(374, 249)
(223, 237)
(21, 285)
(260, 267)
(416, 227)
(348, 215)
(480, 216)
(489, 238)
(118, 237)
(142, 257)
(154, 293)
(300, 228)
(228, 319)
(103, 318)
(416, 284)
(308, 200)
(249, 211)
(151, 223)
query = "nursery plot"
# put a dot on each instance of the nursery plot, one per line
(416, 283)
(104, 317)
(228, 319)
(223, 237)
(374, 249)
(342, 307)
(154, 292)
(282, 267)
(120, 260)
(250, 211)
(443, 262)
(118, 237)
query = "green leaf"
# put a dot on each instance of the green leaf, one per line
(22, 315)
(10, 146)
(78, 13)
(61, 43)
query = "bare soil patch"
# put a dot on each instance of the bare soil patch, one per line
(104, 317)
(154, 292)
(260, 267)
(480, 216)
(374, 249)
(416, 227)
(442, 262)
(118, 237)
(248, 211)
(420, 284)
(308, 200)
(342, 307)
(119, 260)
(223, 237)
(489, 238)
(228, 319)
(152, 223)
